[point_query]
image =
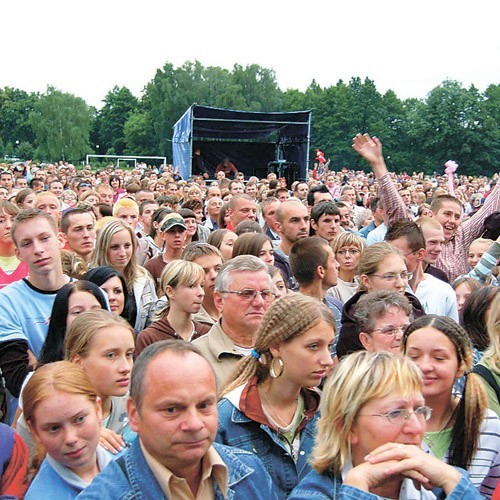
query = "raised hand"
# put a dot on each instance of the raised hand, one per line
(370, 148)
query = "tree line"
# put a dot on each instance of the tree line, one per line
(452, 122)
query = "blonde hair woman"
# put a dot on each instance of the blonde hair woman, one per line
(63, 412)
(182, 283)
(381, 267)
(115, 247)
(269, 406)
(368, 437)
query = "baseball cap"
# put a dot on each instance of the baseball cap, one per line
(171, 220)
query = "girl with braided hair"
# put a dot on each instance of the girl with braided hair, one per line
(462, 430)
(270, 404)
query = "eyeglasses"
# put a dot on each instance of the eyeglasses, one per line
(391, 277)
(391, 330)
(401, 416)
(352, 251)
(248, 294)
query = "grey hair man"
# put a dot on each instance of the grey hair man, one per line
(243, 293)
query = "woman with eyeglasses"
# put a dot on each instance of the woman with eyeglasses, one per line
(381, 267)
(347, 248)
(367, 446)
(269, 406)
(462, 430)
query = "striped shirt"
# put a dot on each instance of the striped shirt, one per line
(453, 258)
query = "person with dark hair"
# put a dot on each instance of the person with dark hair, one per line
(317, 194)
(256, 244)
(325, 220)
(475, 315)
(377, 209)
(435, 296)
(248, 226)
(77, 227)
(112, 282)
(462, 431)
(198, 164)
(71, 300)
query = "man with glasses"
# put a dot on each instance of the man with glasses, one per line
(436, 296)
(243, 293)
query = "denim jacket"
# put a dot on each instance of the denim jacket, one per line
(238, 430)
(130, 478)
(326, 487)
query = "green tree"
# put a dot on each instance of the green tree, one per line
(138, 133)
(61, 123)
(119, 104)
(15, 108)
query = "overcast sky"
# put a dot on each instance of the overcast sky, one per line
(88, 47)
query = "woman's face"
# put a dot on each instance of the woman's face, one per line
(476, 251)
(387, 332)
(371, 430)
(226, 247)
(109, 361)
(462, 292)
(78, 302)
(116, 296)
(266, 253)
(348, 258)
(436, 356)
(115, 183)
(28, 201)
(191, 227)
(188, 298)
(307, 358)
(120, 250)
(279, 283)
(391, 266)
(92, 200)
(68, 426)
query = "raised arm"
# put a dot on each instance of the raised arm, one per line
(370, 148)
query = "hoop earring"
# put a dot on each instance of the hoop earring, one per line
(272, 370)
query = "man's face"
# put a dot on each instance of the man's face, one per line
(238, 314)
(171, 189)
(220, 175)
(49, 204)
(213, 192)
(244, 209)
(56, 188)
(147, 214)
(450, 217)
(351, 194)
(177, 421)
(6, 181)
(81, 234)
(22, 183)
(345, 217)
(214, 206)
(406, 195)
(129, 215)
(251, 190)
(37, 244)
(332, 269)
(302, 190)
(175, 238)
(269, 214)
(434, 239)
(411, 258)
(319, 197)
(211, 264)
(327, 226)
(379, 215)
(283, 195)
(106, 196)
(236, 188)
(144, 195)
(295, 223)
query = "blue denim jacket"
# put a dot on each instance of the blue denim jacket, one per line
(236, 429)
(326, 487)
(132, 479)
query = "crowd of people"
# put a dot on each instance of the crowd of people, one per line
(239, 337)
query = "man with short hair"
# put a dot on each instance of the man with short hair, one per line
(214, 205)
(105, 192)
(316, 270)
(435, 296)
(317, 194)
(146, 210)
(56, 187)
(210, 259)
(144, 194)
(292, 219)
(213, 192)
(6, 180)
(26, 305)
(269, 207)
(377, 209)
(48, 202)
(241, 207)
(325, 220)
(251, 189)
(434, 240)
(173, 231)
(301, 191)
(236, 187)
(173, 409)
(77, 227)
(171, 188)
(243, 293)
(282, 194)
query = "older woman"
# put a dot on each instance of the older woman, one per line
(373, 420)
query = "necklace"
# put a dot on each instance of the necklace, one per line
(280, 421)
(431, 441)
